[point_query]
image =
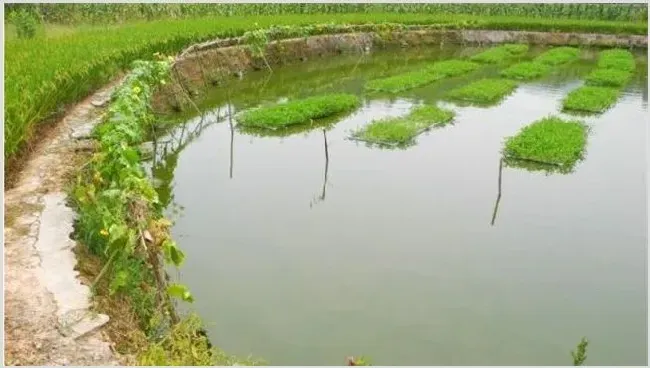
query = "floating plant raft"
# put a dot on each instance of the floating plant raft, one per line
(616, 59)
(298, 111)
(527, 70)
(401, 131)
(590, 99)
(483, 92)
(549, 141)
(608, 77)
(558, 56)
(435, 72)
(501, 53)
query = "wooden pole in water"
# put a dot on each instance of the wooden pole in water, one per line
(232, 134)
(327, 164)
(496, 205)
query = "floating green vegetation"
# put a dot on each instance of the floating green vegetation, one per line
(298, 111)
(401, 131)
(609, 77)
(403, 82)
(616, 59)
(526, 71)
(548, 141)
(453, 68)
(418, 78)
(324, 123)
(590, 99)
(500, 54)
(558, 56)
(483, 92)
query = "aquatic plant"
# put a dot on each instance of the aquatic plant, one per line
(401, 131)
(608, 77)
(558, 56)
(483, 92)
(500, 54)
(453, 68)
(618, 59)
(591, 99)
(432, 73)
(580, 354)
(526, 71)
(298, 111)
(403, 82)
(550, 141)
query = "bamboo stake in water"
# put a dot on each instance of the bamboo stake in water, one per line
(496, 205)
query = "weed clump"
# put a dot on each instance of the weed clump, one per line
(500, 54)
(608, 77)
(526, 71)
(401, 131)
(483, 92)
(590, 99)
(550, 141)
(616, 59)
(186, 344)
(298, 111)
(558, 56)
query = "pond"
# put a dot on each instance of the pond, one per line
(304, 247)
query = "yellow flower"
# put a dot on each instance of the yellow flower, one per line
(136, 89)
(163, 82)
(103, 232)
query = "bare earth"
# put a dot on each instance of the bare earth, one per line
(47, 309)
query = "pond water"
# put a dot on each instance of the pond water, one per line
(306, 247)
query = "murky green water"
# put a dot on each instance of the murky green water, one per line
(300, 255)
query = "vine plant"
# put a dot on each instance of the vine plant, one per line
(120, 217)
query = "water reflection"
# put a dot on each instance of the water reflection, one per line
(321, 197)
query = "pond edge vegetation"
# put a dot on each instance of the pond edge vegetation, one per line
(120, 224)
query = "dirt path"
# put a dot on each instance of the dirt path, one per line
(47, 309)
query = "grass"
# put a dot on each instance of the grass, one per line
(617, 59)
(298, 111)
(609, 77)
(590, 99)
(401, 131)
(435, 72)
(550, 140)
(483, 92)
(73, 63)
(558, 56)
(500, 54)
(526, 71)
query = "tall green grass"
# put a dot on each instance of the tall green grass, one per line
(74, 13)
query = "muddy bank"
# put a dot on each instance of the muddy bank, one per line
(204, 65)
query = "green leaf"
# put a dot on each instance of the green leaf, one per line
(118, 282)
(181, 292)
